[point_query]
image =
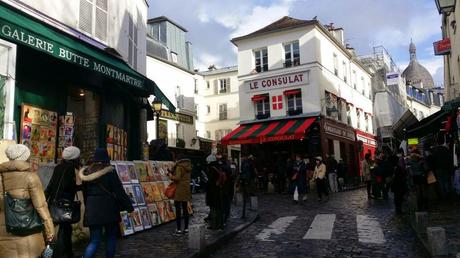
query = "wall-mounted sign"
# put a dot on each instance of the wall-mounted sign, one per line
(392, 78)
(442, 47)
(276, 82)
(177, 117)
(366, 140)
(339, 132)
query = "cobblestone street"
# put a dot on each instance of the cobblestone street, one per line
(348, 225)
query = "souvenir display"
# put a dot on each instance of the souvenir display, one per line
(39, 132)
(170, 209)
(156, 192)
(148, 192)
(123, 172)
(141, 170)
(132, 172)
(154, 216)
(130, 192)
(161, 207)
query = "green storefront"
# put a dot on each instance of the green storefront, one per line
(60, 76)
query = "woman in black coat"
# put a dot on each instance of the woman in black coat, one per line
(63, 186)
(104, 198)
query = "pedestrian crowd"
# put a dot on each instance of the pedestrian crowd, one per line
(428, 177)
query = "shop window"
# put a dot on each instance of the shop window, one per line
(93, 18)
(262, 108)
(294, 102)
(223, 112)
(261, 60)
(291, 54)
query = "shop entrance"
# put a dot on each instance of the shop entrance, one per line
(82, 120)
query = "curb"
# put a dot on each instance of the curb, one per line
(213, 245)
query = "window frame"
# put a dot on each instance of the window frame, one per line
(294, 103)
(259, 55)
(223, 112)
(223, 87)
(293, 60)
(265, 107)
(336, 64)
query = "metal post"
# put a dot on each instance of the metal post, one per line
(157, 125)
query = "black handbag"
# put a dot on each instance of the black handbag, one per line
(63, 210)
(21, 218)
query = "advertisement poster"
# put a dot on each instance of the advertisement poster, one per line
(39, 133)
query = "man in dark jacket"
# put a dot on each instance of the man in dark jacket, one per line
(214, 194)
(247, 174)
(229, 184)
(63, 186)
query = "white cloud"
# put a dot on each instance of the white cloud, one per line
(204, 60)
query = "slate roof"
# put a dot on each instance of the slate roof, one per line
(284, 23)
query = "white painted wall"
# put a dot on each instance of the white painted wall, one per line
(316, 54)
(177, 85)
(67, 12)
(8, 69)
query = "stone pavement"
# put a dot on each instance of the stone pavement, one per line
(160, 241)
(445, 214)
(348, 225)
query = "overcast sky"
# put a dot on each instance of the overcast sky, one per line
(367, 23)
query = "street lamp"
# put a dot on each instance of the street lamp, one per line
(156, 106)
(445, 6)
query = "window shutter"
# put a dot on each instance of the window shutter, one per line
(86, 16)
(216, 86)
(228, 84)
(101, 24)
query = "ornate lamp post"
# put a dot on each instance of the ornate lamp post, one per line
(156, 106)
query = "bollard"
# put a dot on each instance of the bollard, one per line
(421, 221)
(239, 199)
(254, 204)
(437, 241)
(196, 238)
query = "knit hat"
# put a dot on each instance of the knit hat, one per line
(17, 152)
(71, 153)
(319, 158)
(101, 155)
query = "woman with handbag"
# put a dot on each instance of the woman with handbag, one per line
(104, 198)
(62, 189)
(181, 176)
(22, 185)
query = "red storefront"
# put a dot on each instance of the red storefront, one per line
(366, 144)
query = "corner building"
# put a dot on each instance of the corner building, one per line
(302, 91)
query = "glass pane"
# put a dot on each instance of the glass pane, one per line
(295, 47)
(298, 101)
(267, 107)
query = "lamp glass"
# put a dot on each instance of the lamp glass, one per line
(156, 105)
(445, 6)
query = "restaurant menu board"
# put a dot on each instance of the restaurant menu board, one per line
(39, 132)
(117, 142)
(66, 133)
(87, 137)
(144, 182)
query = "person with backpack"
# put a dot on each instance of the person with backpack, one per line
(63, 186)
(104, 198)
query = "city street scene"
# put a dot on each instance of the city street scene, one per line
(244, 128)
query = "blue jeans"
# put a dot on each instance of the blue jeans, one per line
(96, 237)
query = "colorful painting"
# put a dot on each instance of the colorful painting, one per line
(156, 192)
(161, 188)
(123, 172)
(145, 216)
(132, 172)
(126, 224)
(130, 192)
(170, 210)
(154, 216)
(139, 194)
(161, 207)
(141, 170)
(137, 220)
(148, 192)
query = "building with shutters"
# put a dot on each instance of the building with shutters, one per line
(302, 90)
(170, 65)
(73, 73)
(218, 106)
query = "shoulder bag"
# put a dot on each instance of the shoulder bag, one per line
(63, 210)
(119, 203)
(170, 191)
(21, 218)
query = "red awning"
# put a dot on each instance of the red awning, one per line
(291, 92)
(284, 130)
(259, 97)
